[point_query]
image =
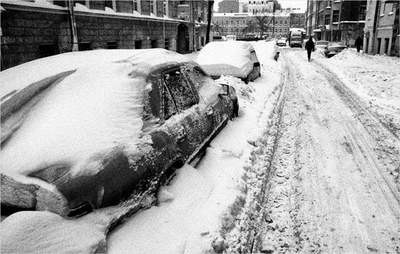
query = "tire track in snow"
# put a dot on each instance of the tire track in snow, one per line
(324, 194)
(387, 140)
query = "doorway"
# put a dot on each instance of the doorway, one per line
(183, 39)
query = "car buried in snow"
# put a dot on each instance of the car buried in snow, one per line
(321, 45)
(84, 130)
(230, 58)
(334, 48)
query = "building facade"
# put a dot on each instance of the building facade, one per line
(381, 32)
(260, 6)
(336, 20)
(297, 20)
(32, 30)
(229, 6)
(244, 25)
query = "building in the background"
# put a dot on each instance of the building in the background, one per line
(297, 19)
(260, 6)
(381, 32)
(375, 21)
(247, 26)
(230, 24)
(336, 20)
(36, 28)
(229, 6)
(281, 26)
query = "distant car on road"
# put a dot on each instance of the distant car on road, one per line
(233, 58)
(281, 42)
(84, 130)
(334, 48)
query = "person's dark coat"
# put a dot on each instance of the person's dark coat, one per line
(358, 43)
(310, 45)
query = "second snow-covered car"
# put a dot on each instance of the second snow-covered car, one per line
(334, 48)
(231, 58)
(84, 130)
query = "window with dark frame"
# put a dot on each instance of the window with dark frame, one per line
(335, 17)
(166, 44)
(180, 90)
(138, 44)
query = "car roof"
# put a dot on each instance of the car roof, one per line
(235, 53)
(143, 61)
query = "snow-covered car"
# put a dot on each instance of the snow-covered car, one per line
(231, 58)
(85, 130)
(281, 42)
(334, 48)
(321, 45)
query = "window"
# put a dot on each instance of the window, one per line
(166, 44)
(362, 13)
(83, 46)
(198, 77)
(48, 50)
(169, 106)
(138, 44)
(154, 43)
(108, 3)
(152, 7)
(327, 19)
(335, 17)
(179, 89)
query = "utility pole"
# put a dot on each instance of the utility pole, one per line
(210, 10)
(74, 33)
(273, 19)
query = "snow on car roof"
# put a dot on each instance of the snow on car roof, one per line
(235, 53)
(227, 58)
(94, 110)
(19, 77)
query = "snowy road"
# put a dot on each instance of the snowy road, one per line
(333, 188)
(310, 165)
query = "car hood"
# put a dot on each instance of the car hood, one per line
(89, 111)
(216, 70)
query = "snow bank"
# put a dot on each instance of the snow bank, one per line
(45, 232)
(374, 78)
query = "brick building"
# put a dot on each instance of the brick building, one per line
(382, 28)
(32, 29)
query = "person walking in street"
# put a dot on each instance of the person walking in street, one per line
(310, 46)
(358, 43)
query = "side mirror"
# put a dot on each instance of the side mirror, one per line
(257, 64)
